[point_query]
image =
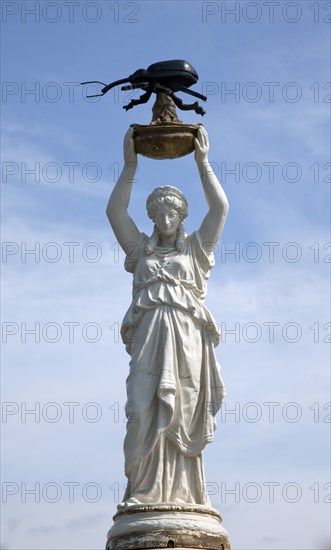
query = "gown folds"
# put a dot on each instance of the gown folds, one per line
(174, 388)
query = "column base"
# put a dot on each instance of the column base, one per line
(142, 527)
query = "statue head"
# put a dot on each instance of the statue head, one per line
(170, 196)
(166, 199)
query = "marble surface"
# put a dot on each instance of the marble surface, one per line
(174, 386)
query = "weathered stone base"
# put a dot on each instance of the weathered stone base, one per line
(156, 526)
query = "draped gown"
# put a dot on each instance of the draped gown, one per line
(174, 388)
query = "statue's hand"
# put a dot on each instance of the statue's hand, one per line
(130, 155)
(201, 146)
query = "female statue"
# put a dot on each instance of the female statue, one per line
(174, 381)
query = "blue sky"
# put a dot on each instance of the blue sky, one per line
(273, 451)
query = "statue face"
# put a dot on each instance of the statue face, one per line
(167, 220)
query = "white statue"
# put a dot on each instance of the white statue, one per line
(174, 383)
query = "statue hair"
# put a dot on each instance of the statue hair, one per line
(174, 198)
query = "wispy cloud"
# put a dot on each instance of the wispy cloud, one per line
(43, 529)
(86, 521)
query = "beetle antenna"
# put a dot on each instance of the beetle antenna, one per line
(106, 87)
(113, 84)
(94, 82)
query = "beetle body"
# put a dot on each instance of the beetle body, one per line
(175, 71)
(166, 77)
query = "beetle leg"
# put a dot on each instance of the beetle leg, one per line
(188, 106)
(142, 99)
(179, 102)
(179, 88)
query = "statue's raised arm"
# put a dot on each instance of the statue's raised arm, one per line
(123, 225)
(213, 223)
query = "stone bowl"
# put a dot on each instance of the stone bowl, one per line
(165, 140)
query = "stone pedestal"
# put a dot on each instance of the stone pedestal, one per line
(139, 527)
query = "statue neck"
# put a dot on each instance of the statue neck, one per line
(168, 242)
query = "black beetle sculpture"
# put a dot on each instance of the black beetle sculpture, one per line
(166, 77)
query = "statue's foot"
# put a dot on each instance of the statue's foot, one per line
(127, 503)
